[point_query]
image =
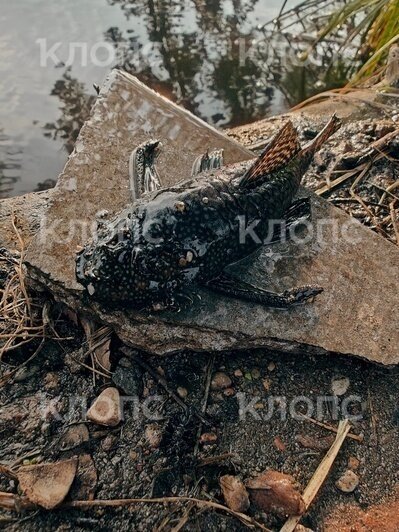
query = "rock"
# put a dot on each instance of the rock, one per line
(279, 444)
(353, 462)
(74, 436)
(182, 392)
(208, 438)
(255, 373)
(106, 409)
(29, 211)
(238, 373)
(128, 377)
(153, 434)
(229, 392)
(354, 315)
(85, 482)
(234, 493)
(271, 366)
(109, 442)
(340, 385)
(348, 482)
(276, 492)
(266, 384)
(47, 484)
(220, 381)
(133, 455)
(51, 381)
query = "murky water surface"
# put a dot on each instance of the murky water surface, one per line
(197, 52)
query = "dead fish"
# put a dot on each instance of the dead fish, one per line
(172, 240)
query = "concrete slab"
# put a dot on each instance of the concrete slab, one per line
(357, 313)
(28, 211)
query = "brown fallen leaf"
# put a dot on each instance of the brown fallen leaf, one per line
(47, 484)
(318, 444)
(276, 492)
(234, 493)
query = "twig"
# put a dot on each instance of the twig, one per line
(9, 501)
(329, 427)
(6, 378)
(394, 220)
(162, 382)
(320, 474)
(7, 472)
(209, 370)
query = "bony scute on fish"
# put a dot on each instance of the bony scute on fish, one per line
(171, 240)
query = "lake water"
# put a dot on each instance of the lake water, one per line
(52, 52)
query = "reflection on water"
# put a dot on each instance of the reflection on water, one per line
(198, 53)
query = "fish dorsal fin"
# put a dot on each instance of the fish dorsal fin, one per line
(284, 146)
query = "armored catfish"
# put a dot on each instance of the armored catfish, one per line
(171, 240)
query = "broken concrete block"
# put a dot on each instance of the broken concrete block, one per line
(356, 314)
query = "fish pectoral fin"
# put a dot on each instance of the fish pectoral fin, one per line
(283, 147)
(143, 173)
(233, 287)
(207, 161)
(300, 210)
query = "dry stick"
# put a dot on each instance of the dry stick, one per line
(362, 203)
(162, 381)
(10, 375)
(320, 474)
(9, 501)
(209, 370)
(7, 472)
(329, 427)
(385, 191)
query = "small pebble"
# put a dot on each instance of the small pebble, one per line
(133, 455)
(182, 392)
(266, 384)
(238, 373)
(279, 444)
(255, 373)
(220, 381)
(208, 438)
(51, 381)
(153, 434)
(229, 392)
(271, 366)
(348, 482)
(74, 436)
(109, 442)
(353, 462)
(339, 385)
(106, 409)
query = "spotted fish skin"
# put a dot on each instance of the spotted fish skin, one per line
(185, 235)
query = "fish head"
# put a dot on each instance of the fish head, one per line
(135, 258)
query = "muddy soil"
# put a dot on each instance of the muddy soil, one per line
(158, 449)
